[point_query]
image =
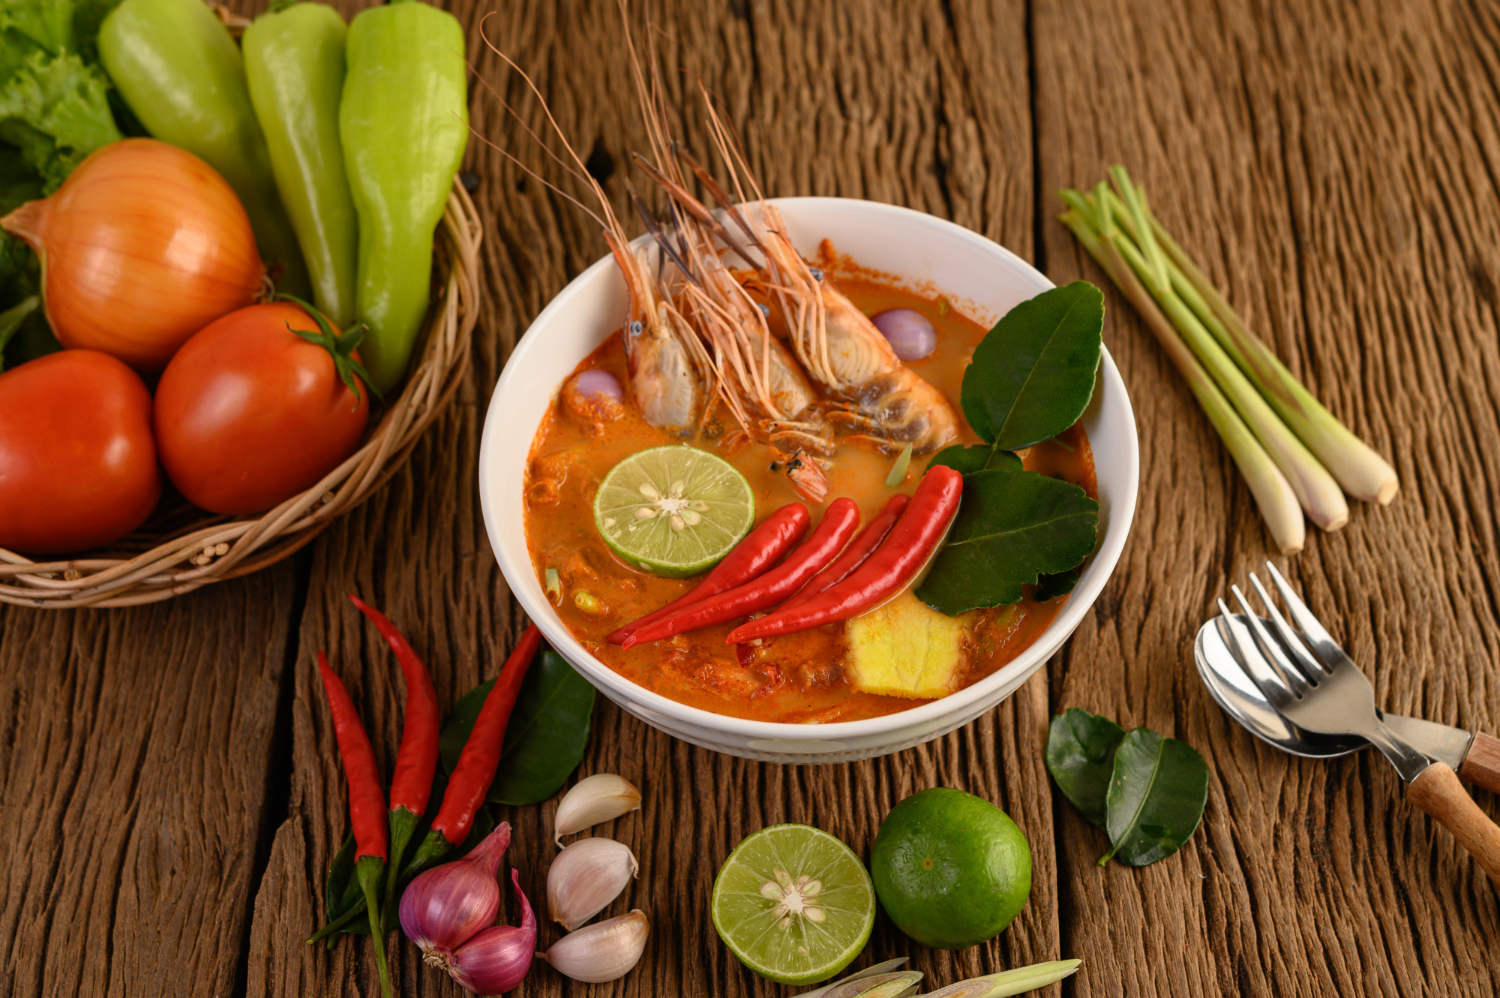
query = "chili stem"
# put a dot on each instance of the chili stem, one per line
(423, 859)
(371, 871)
(403, 824)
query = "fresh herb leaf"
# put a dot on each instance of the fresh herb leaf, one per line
(981, 457)
(1157, 793)
(1012, 527)
(341, 890)
(1147, 792)
(545, 739)
(1052, 586)
(1033, 373)
(1080, 756)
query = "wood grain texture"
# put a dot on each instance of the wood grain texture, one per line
(1333, 167)
(135, 750)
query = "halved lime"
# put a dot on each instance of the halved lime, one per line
(673, 511)
(794, 904)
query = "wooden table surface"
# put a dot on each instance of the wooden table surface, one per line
(170, 788)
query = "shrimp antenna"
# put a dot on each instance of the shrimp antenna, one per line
(537, 176)
(723, 197)
(653, 226)
(610, 222)
(729, 147)
(681, 195)
(679, 228)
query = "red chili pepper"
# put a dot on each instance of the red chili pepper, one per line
(416, 760)
(760, 549)
(854, 555)
(366, 805)
(839, 524)
(480, 758)
(893, 565)
(366, 801)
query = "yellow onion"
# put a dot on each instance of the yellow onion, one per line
(142, 246)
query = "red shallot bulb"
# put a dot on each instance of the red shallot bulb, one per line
(910, 333)
(595, 382)
(496, 959)
(447, 905)
(593, 398)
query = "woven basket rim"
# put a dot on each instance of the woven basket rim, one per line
(214, 548)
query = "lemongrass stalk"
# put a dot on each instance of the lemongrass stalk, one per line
(828, 990)
(1362, 472)
(1011, 982)
(890, 989)
(1316, 489)
(1273, 493)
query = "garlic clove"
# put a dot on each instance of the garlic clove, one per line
(594, 799)
(604, 951)
(585, 878)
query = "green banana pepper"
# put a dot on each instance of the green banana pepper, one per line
(181, 73)
(294, 64)
(405, 123)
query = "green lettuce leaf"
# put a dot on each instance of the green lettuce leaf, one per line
(55, 110)
(28, 26)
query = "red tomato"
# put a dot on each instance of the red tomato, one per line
(248, 413)
(77, 464)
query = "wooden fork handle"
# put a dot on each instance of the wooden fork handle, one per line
(1438, 792)
(1482, 765)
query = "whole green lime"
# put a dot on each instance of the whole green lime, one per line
(950, 869)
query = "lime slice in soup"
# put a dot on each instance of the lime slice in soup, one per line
(794, 904)
(673, 511)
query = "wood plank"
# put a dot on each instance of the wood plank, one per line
(926, 105)
(135, 752)
(1333, 165)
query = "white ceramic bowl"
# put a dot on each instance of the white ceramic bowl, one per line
(985, 280)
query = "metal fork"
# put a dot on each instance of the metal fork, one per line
(1310, 680)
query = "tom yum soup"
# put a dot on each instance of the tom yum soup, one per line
(798, 492)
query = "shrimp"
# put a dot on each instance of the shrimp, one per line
(669, 368)
(758, 380)
(888, 403)
(764, 376)
(837, 344)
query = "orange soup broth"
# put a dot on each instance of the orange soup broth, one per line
(795, 678)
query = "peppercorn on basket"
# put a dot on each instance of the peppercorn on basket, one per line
(181, 549)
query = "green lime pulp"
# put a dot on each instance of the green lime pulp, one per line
(951, 869)
(673, 511)
(794, 904)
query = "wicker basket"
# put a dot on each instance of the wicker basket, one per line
(182, 548)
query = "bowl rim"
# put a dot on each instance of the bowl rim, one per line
(933, 712)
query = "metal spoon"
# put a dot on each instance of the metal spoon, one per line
(1231, 686)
